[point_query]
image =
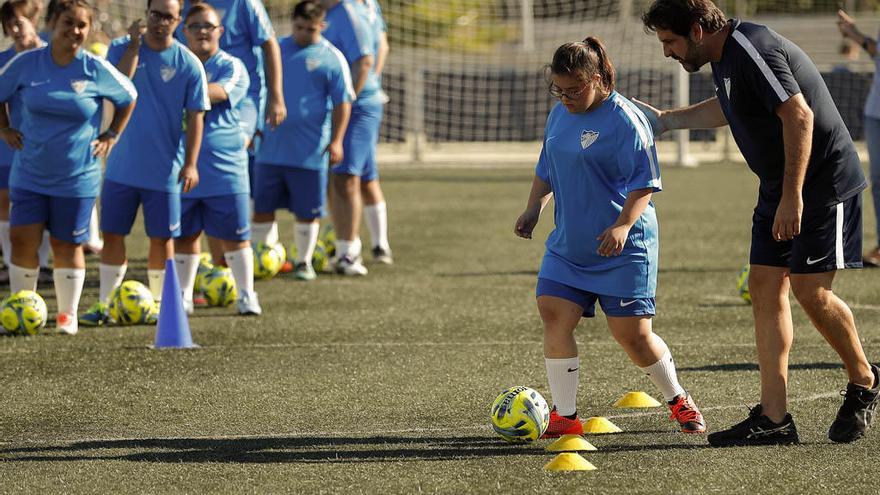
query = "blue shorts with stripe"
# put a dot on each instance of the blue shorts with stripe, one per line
(120, 204)
(830, 239)
(224, 217)
(359, 143)
(302, 191)
(612, 305)
(66, 219)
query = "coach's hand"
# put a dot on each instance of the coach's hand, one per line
(335, 151)
(787, 223)
(103, 144)
(137, 29)
(526, 222)
(13, 138)
(276, 112)
(654, 115)
(189, 177)
(612, 241)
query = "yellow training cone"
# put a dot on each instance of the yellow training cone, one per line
(637, 399)
(570, 443)
(569, 461)
(597, 425)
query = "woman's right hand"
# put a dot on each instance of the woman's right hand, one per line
(526, 222)
(847, 25)
(12, 137)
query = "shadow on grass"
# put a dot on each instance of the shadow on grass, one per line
(754, 367)
(275, 450)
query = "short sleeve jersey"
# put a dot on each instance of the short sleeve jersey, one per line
(246, 26)
(316, 78)
(348, 30)
(61, 110)
(14, 106)
(377, 27)
(150, 153)
(592, 161)
(223, 156)
(758, 71)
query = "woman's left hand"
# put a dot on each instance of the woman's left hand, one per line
(611, 241)
(101, 147)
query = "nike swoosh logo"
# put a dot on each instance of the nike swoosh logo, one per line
(814, 261)
(174, 226)
(570, 370)
(39, 83)
(80, 231)
(627, 303)
(242, 231)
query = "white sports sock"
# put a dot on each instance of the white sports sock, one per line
(662, 373)
(265, 232)
(377, 223)
(21, 278)
(95, 229)
(305, 236)
(354, 248)
(343, 248)
(241, 263)
(156, 279)
(563, 375)
(44, 250)
(5, 242)
(68, 288)
(111, 276)
(187, 268)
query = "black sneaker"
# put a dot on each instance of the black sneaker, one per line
(757, 429)
(857, 412)
(381, 255)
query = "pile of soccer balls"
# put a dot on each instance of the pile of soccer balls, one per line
(520, 415)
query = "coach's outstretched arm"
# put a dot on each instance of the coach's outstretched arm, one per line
(704, 115)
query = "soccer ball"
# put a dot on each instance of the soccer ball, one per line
(205, 266)
(131, 303)
(23, 313)
(320, 258)
(520, 415)
(218, 285)
(742, 284)
(268, 260)
(328, 237)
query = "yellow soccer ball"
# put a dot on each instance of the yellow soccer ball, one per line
(520, 415)
(205, 266)
(742, 284)
(218, 286)
(320, 258)
(131, 303)
(23, 313)
(328, 237)
(268, 260)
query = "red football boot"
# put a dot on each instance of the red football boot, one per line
(560, 425)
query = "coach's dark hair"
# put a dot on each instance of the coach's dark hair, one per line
(200, 8)
(12, 9)
(63, 6)
(582, 60)
(679, 15)
(180, 2)
(309, 10)
(51, 10)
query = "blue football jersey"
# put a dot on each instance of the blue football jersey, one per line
(150, 154)
(14, 107)
(377, 26)
(347, 28)
(592, 161)
(316, 78)
(223, 160)
(61, 111)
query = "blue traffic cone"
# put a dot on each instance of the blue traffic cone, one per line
(173, 327)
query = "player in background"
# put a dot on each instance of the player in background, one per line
(347, 29)
(48, 20)
(291, 169)
(375, 208)
(599, 165)
(150, 166)
(56, 175)
(220, 205)
(807, 223)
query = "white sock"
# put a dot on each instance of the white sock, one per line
(662, 373)
(563, 375)
(95, 229)
(5, 242)
(241, 263)
(265, 232)
(21, 278)
(44, 250)
(377, 223)
(68, 288)
(156, 279)
(111, 277)
(187, 267)
(343, 248)
(354, 248)
(305, 236)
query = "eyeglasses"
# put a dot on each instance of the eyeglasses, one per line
(557, 92)
(162, 17)
(201, 26)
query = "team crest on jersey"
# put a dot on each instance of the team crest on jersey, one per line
(78, 85)
(167, 72)
(312, 64)
(727, 86)
(588, 138)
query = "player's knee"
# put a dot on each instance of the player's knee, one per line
(808, 294)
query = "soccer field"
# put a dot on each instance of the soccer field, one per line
(383, 384)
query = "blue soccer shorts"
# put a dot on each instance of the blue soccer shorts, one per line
(830, 239)
(120, 205)
(4, 176)
(223, 217)
(66, 219)
(611, 305)
(300, 190)
(359, 143)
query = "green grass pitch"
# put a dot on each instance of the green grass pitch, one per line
(383, 384)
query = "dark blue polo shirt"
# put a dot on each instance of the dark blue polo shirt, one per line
(758, 71)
